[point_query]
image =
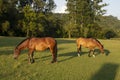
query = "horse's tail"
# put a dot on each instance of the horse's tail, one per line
(56, 50)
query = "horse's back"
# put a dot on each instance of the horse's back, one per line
(42, 43)
(50, 40)
(81, 40)
(86, 41)
(78, 39)
(44, 39)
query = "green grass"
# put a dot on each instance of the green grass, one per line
(68, 67)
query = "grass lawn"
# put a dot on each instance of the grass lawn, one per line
(68, 67)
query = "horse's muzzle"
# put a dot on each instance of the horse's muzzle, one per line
(103, 52)
(15, 56)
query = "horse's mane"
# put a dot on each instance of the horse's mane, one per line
(22, 42)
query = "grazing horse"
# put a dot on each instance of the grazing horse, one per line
(90, 43)
(38, 44)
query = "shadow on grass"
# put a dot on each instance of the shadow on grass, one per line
(107, 52)
(107, 72)
(11, 52)
(97, 52)
(45, 55)
(10, 41)
(84, 53)
(68, 56)
(6, 52)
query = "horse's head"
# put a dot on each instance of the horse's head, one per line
(16, 53)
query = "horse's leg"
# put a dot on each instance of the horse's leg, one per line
(93, 53)
(30, 56)
(79, 50)
(54, 56)
(89, 53)
(32, 59)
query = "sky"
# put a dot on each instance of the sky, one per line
(61, 6)
(113, 7)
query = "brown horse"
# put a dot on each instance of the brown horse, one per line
(90, 43)
(38, 44)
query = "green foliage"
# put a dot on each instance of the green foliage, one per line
(110, 34)
(1, 3)
(110, 23)
(8, 13)
(84, 13)
(50, 5)
(28, 18)
(70, 28)
(5, 26)
(29, 21)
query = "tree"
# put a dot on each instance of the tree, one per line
(97, 9)
(70, 28)
(8, 14)
(29, 24)
(113, 26)
(70, 24)
(38, 5)
(84, 13)
(35, 13)
(50, 5)
(5, 27)
(110, 34)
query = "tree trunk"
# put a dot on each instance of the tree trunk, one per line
(27, 35)
(69, 34)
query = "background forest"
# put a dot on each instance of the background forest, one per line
(28, 18)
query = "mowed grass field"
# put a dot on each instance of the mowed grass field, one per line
(69, 66)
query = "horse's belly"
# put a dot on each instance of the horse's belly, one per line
(41, 48)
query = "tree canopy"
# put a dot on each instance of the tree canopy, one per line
(35, 18)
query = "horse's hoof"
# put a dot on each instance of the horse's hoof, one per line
(32, 61)
(94, 56)
(53, 61)
(78, 55)
(89, 56)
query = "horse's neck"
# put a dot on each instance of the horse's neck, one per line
(23, 45)
(100, 47)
